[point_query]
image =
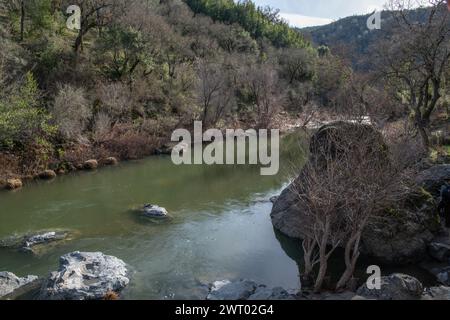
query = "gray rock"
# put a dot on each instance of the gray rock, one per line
(36, 243)
(154, 211)
(394, 287)
(433, 178)
(85, 276)
(9, 283)
(273, 199)
(442, 275)
(264, 293)
(246, 290)
(439, 251)
(436, 293)
(225, 290)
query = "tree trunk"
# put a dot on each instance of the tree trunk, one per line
(22, 19)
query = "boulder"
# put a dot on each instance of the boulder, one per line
(436, 293)
(154, 211)
(90, 165)
(394, 287)
(273, 199)
(439, 251)
(47, 175)
(85, 276)
(13, 184)
(111, 161)
(9, 283)
(433, 178)
(398, 236)
(264, 293)
(246, 290)
(442, 274)
(36, 243)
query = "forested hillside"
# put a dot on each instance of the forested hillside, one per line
(350, 37)
(136, 71)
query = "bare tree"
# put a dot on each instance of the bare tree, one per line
(347, 182)
(416, 57)
(215, 91)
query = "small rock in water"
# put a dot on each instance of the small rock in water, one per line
(9, 283)
(35, 243)
(154, 211)
(86, 276)
(90, 165)
(13, 184)
(246, 290)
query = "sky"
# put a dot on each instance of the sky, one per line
(305, 13)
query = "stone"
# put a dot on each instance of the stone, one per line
(439, 251)
(436, 293)
(433, 178)
(90, 165)
(394, 287)
(111, 161)
(86, 276)
(154, 211)
(273, 199)
(240, 290)
(47, 175)
(9, 283)
(246, 290)
(36, 243)
(13, 184)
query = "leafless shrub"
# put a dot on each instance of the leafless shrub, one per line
(71, 111)
(347, 182)
(115, 100)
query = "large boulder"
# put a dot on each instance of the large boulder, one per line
(86, 276)
(47, 175)
(433, 178)
(394, 287)
(398, 236)
(402, 235)
(9, 283)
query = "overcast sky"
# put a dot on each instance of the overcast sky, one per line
(303, 13)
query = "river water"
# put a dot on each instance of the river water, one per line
(219, 229)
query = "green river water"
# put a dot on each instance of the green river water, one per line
(220, 226)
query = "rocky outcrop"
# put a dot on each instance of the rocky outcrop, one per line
(246, 290)
(13, 184)
(153, 211)
(433, 178)
(397, 236)
(36, 243)
(90, 165)
(401, 236)
(394, 287)
(9, 283)
(86, 276)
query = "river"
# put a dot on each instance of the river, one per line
(219, 229)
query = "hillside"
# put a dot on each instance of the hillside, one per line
(350, 37)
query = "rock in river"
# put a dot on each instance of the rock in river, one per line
(154, 211)
(246, 290)
(9, 283)
(85, 276)
(394, 287)
(37, 242)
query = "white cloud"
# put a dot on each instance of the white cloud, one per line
(301, 21)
